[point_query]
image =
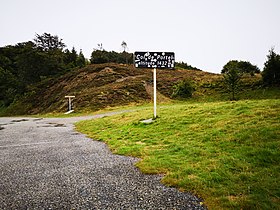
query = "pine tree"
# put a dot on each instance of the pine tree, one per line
(81, 61)
(232, 79)
(271, 71)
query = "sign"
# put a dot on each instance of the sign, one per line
(154, 60)
(161, 60)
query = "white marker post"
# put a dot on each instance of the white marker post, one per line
(69, 104)
(155, 93)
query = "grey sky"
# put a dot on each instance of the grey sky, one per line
(203, 33)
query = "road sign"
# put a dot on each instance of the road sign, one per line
(154, 60)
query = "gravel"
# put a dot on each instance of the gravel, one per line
(46, 164)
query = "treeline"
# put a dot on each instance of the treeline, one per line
(45, 57)
(102, 56)
(270, 73)
(30, 62)
(234, 70)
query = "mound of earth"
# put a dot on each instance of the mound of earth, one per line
(102, 85)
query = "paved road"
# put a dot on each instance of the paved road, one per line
(46, 164)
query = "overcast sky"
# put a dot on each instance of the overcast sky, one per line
(204, 33)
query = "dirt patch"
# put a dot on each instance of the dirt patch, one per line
(107, 70)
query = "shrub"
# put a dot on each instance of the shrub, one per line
(183, 89)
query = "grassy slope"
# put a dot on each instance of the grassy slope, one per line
(226, 152)
(100, 86)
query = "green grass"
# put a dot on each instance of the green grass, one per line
(226, 152)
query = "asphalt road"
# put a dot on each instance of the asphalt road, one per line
(46, 164)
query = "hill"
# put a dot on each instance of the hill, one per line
(101, 85)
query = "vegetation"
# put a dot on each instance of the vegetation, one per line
(241, 66)
(31, 62)
(183, 89)
(225, 152)
(271, 71)
(98, 86)
(232, 80)
(183, 65)
(103, 56)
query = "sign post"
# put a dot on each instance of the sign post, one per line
(69, 104)
(162, 60)
(155, 93)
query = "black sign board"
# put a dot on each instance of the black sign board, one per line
(154, 60)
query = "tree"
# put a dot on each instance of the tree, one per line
(70, 58)
(27, 63)
(232, 79)
(31, 64)
(100, 46)
(124, 53)
(81, 61)
(53, 47)
(48, 42)
(8, 87)
(99, 56)
(247, 67)
(271, 70)
(242, 66)
(124, 46)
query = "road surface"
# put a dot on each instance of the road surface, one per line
(46, 164)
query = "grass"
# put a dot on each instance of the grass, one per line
(225, 152)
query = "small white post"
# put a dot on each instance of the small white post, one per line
(155, 93)
(69, 104)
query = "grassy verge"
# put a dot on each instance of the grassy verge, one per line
(226, 152)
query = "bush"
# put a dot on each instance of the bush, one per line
(183, 89)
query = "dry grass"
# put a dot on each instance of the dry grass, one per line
(99, 86)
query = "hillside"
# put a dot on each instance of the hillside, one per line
(101, 85)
